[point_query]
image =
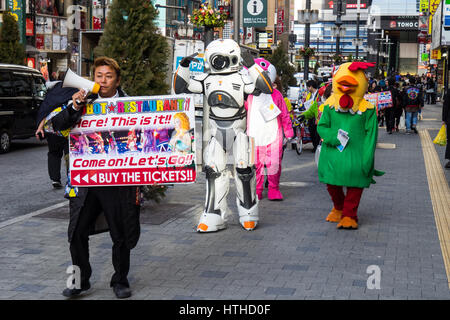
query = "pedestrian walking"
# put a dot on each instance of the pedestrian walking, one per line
(412, 101)
(57, 142)
(446, 121)
(119, 205)
(313, 103)
(389, 113)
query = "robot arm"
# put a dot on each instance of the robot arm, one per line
(182, 82)
(259, 77)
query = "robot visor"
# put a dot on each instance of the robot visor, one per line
(220, 62)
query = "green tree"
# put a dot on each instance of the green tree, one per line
(280, 59)
(11, 50)
(132, 38)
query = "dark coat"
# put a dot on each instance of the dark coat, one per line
(446, 109)
(129, 201)
(55, 97)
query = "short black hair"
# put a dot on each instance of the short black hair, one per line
(412, 80)
(311, 83)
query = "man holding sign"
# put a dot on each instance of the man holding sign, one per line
(119, 205)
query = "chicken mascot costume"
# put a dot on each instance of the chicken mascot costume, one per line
(349, 129)
(267, 120)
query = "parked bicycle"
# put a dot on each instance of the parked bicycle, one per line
(301, 132)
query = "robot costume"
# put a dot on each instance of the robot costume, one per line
(225, 86)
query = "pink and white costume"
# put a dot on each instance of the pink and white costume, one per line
(268, 135)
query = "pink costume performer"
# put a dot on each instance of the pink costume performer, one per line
(268, 134)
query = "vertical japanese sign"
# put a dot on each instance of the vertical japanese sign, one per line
(17, 9)
(254, 13)
(134, 141)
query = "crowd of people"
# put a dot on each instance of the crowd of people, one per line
(409, 95)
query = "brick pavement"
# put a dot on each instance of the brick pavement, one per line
(293, 254)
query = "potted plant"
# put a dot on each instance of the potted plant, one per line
(307, 52)
(207, 16)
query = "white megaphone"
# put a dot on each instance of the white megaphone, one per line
(75, 81)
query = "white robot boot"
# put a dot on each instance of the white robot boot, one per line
(245, 177)
(246, 199)
(217, 186)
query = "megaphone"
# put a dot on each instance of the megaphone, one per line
(75, 81)
(51, 84)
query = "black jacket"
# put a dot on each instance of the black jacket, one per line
(55, 97)
(129, 202)
(446, 109)
(412, 98)
(395, 97)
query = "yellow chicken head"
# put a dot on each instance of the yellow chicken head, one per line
(349, 85)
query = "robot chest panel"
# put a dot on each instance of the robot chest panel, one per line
(230, 85)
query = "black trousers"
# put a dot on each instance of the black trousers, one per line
(101, 199)
(390, 119)
(447, 148)
(312, 127)
(57, 146)
(397, 115)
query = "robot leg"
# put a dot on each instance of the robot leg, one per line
(245, 177)
(217, 186)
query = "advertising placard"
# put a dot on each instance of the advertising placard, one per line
(134, 141)
(381, 100)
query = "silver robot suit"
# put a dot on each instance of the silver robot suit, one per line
(225, 86)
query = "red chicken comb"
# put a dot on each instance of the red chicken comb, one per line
(360, 65)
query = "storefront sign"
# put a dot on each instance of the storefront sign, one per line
(29, 27)
(400, 23)
(424, 5)
(255, 13)
(351, 4)
(18, 11)
(436, 54)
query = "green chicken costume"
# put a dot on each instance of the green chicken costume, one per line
(349, 129)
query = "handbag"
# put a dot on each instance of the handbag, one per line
(441, 138)
(402, 124)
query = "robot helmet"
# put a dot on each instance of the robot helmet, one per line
(223, 56)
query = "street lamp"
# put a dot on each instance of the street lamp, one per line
(307, 17)
(338, 32)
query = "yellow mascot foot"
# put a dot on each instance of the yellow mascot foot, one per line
(334, 216)
(347, 223)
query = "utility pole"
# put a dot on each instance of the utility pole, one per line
(338, 23)
(358, 14)
(236, 18)
(307, 36)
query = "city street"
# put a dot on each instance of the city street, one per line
(293, 254)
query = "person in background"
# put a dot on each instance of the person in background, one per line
(389, 113)
(57, 143)
(398, 107)
(446, 122)
(312, 103)
(373, 87)
(412, 102)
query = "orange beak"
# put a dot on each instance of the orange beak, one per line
(347, 84)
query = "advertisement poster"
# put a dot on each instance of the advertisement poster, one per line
(380, 99)
(134, 141)
(56, 42)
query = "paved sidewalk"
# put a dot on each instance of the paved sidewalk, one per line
(293, 254)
